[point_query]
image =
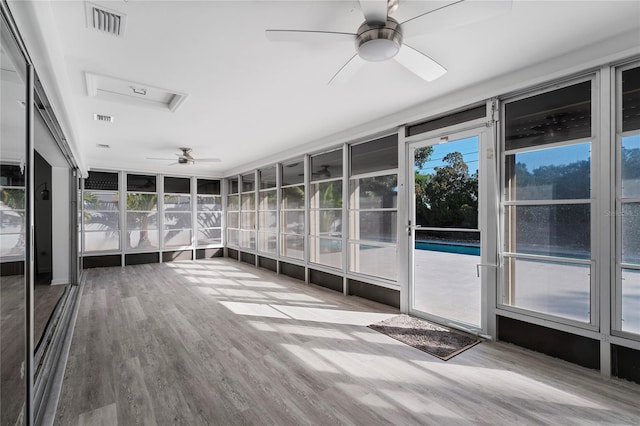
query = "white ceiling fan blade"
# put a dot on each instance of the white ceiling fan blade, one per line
(454, 15)
(374, 11)
(419, 63)
(348, 70)
(303, 36)
(161, 159)
(206, 160)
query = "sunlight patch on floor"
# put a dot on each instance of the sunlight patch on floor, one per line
(238, 274)
(208, 291)
(300, 297)
(418, 404)
(520, 386)
(260, 284)
(241, 293)
(301, 330)
(332, 316)
(253, 309)
(310, 359)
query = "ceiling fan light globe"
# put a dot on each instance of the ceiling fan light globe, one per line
(376, 43)
(378, 50)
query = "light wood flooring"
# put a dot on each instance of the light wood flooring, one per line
(222, 343)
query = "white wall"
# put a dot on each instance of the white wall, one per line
(61, 232)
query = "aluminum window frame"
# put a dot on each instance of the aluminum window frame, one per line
(593, 201)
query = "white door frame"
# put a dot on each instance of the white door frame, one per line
(488, 192)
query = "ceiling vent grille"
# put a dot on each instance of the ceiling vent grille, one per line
(105, 20)
(105, 118)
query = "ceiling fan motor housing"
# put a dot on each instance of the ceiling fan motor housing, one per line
(377, 43)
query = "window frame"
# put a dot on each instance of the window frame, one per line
(619, 201)
(594, 203)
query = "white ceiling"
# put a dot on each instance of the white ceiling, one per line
(249, 99)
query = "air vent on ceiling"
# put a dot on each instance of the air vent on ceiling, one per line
(103, 145)
(105, 20)
(132, 93)
(101, 117)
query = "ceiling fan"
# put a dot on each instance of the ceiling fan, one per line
(186, 158)
(381, 37)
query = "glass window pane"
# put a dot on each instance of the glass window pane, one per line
(325, 251)
(292, 246)
(101, 241)
(247, 239)
(326, 223)
(630, 163)
(268, 178)
(233, 220)
(552, 230)
(559, 173)
(631, 301)
(233, 237)
(209, 220)
(142, 239)
(209, 186)
(631, 99)
(293, 198)
(556, 116)
(142, 183)
(142, 202)
(177, 238)
(98, 221)
(292, 173)
(177, 203)
(248, 182)
(560, 289)
(293, 222)
(12, 221)
(174, 185)
(248, 220)
(375, 192)
(248, 201)
(268, 200)
(233, 186)
(326, 194)
(233, 202)
(374, 226)
(14, 303)
(102, 181)
(142, 220)
(12, 199)
(101, 201)
(178, 220)
(267, 242)
(267, 220)
(373, 260)
(209, 236)
(631, 233)
(209, 203)
(327, 165)
(380, 154)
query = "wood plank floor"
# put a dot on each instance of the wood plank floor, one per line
(222, 343)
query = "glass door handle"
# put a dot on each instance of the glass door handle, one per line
(484, 265)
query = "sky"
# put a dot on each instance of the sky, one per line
(532, 159)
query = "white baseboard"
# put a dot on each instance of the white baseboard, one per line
(59, 281)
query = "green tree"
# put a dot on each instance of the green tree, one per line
(449, 198)
(141, 209)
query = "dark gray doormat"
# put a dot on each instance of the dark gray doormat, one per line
(433, 339)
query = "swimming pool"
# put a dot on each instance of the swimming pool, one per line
(449, 247)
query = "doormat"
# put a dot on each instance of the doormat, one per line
(433, 339)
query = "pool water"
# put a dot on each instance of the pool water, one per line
(449, 247)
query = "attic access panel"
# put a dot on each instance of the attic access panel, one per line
(132, 93)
